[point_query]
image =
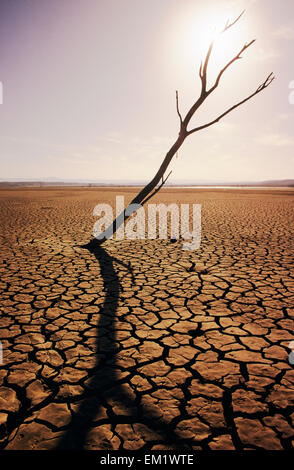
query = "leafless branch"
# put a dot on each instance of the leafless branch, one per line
(203, 71)
(163, 181)
(264, 85)
(203, 74)
(228, 25)
(200, 70)
(238, 56)
(177, 105)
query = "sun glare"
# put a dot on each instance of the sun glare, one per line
(202, 29)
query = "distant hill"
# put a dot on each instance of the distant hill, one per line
(286, 183)
(18, 182)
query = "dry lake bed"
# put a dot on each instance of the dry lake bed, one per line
(139, 344)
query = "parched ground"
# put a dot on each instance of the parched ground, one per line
(139, 344)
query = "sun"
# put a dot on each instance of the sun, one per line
(204, 28)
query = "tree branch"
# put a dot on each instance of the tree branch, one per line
(203, 73)
(238, 56)
(228, 25)
(156, 189)
(177, 105)
(264, 85)
(200, 70)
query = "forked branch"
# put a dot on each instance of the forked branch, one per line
(203, 72)
(237, 57)
(228, 25)
(264, 85)
(163, 181)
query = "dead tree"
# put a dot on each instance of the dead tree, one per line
(159, 179)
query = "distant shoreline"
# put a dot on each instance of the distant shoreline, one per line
(125, 183)
(36, 185)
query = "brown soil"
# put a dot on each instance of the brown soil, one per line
(139, 344)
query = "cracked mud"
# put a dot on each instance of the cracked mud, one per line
(139, 344)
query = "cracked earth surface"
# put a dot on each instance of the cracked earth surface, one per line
(141, 345)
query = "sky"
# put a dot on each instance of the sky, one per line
(89, 89)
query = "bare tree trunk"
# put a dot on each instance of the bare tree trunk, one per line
(145, 194)
(158, 181)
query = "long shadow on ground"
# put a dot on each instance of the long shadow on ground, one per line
(105, 382)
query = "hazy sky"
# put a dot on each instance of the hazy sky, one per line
(89, 88)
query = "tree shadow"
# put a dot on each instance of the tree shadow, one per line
(105, 382)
